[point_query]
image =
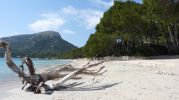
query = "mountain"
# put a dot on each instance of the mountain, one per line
(43, 44)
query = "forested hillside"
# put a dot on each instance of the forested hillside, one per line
(129, 28)
(43, 44)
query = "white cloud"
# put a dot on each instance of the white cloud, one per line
(50, 15)
(103, 3)
(86, 18)
(89, 17)
(66, 31)
(70, 10)
(48, 22)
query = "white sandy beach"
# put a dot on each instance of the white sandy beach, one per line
(127, 80)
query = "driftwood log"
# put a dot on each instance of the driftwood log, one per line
(37, 82)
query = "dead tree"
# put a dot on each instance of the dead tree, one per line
(37, 82)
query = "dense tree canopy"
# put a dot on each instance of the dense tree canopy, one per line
(146, 29)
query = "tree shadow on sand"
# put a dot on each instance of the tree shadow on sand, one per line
(91, 87)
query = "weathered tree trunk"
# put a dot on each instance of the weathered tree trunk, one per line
(13, 66)
(30, 65)
(37, 80)
(172, 37)
(69, 76)
(176, 35)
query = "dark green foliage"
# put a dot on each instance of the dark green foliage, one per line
(75, 53)
(97, 44)
(143, 29)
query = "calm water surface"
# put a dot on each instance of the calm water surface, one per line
(7, 75)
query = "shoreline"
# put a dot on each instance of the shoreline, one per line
(136, 80)
(44, 64)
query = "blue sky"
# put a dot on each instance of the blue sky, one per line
(75, 20)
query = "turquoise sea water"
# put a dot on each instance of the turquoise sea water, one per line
(6, 74)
